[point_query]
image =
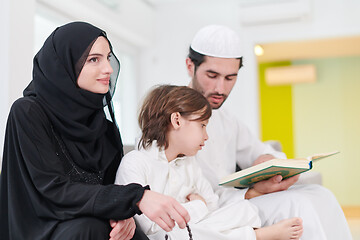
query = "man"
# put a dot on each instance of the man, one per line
(213, 63)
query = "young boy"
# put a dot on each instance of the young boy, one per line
(173, 121)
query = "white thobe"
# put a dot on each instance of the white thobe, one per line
(178, 179)
(230, 142)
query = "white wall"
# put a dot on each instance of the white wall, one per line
(176, 24)
(129, 28)
(161, 36)
(16, 47)
(130, 21)
(4, 68)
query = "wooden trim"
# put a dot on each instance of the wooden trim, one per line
(351, 211)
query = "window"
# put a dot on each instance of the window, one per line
(125, 99)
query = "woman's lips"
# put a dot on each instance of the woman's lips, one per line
(105, 81)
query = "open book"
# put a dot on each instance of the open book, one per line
(284, 167)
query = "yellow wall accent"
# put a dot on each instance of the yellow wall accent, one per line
(276, 110)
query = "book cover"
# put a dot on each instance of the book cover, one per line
(284, 167)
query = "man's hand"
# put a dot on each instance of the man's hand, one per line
(274, 184)
(122, 229)
(163, 210)
(263, 158)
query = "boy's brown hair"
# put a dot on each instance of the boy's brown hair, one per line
(160, 103)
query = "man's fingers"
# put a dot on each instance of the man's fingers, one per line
(276, 179)
(285, 184)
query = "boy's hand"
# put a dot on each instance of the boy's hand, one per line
(195, 196)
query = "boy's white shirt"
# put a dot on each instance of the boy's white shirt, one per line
(177, 178)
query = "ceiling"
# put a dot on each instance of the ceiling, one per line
(321, 48)
(279, 51)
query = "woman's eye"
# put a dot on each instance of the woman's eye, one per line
(94, 59)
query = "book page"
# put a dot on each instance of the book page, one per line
(322, 155)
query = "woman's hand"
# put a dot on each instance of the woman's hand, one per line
(163, 210)
(122, 229)
(195, 196)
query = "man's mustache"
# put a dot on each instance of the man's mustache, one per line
(217, 95)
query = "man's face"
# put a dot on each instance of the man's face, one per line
(214, 78)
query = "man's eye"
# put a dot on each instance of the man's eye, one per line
(230, 78)
(212, 75)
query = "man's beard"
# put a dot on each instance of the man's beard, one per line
(197, 87)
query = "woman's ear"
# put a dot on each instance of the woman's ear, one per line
(175, 120)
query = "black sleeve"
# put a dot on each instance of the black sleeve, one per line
(44, 182)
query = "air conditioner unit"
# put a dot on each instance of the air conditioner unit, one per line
(254, 13)
(290, 75)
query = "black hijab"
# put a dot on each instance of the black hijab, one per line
(77, 115)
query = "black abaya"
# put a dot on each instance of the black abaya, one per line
(50, 174)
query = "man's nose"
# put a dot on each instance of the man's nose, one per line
(220, 86)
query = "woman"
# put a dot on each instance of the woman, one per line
(61, 153)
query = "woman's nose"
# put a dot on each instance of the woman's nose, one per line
(107, 68)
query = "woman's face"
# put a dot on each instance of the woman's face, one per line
(95, 74)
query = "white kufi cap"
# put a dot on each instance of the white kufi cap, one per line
(217, 41)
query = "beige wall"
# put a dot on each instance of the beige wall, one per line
(327, 118)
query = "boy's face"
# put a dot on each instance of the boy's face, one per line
(214, 78)
(192, 135)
